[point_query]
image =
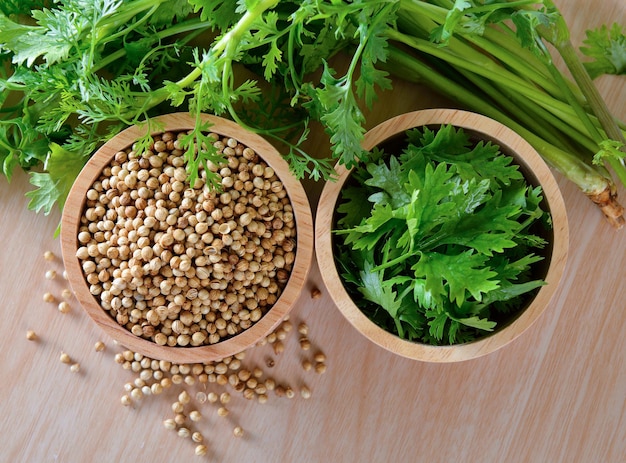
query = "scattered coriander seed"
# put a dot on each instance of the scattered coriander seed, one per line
(319, 357)
(51, 274)
(75, 368)
(31, 335)
(201, 450)
(177, 407)
(201, 397)
(279, 390)
(156, 388)
(195, 415)
(269, 362)
(126, 400)
(303, 329)
(222, 411)
(184, 397)
(305, 343)
(306, 365)
(169, 423)
(197, 437)
(64, 274)
(279, 347)
(224, 398)
(48, 297)
(64, 307)
(289, 392)
(316, 293)
(238, 431)
(184, 432)
(180, 419)
(270, 384)
(99, 346)
(212, 397)
(136, 393)
(65, 358)
(305, 392)
(262, 398)
(48, 255)
(320, 368)
(66, 293)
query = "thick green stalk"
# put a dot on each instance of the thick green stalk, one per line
(465, 57)
(585, 176)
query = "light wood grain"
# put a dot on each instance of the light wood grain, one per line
(556, 394)
(480, 128)
(74, 209)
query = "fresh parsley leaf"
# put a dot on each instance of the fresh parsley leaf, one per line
(607, 47)
(446, 248)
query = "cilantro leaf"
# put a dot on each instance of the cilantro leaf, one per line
(446, 250)
(455, 277)
(54, 185)
(607, 47)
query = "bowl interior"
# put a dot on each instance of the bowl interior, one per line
(302, 216)
(390, 136)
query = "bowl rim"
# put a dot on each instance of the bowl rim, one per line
(72, 211)
(526, 156)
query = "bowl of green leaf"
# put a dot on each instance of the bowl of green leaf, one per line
(448, 241)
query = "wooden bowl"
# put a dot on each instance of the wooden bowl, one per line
(531, 165)
(73, 210)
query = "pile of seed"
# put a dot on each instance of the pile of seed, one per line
(203, 389)
(185, 266)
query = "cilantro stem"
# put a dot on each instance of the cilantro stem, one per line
(589, 180)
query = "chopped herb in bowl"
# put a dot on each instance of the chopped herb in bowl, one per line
(439, 238)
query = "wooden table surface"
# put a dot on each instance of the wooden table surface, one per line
(556, 394)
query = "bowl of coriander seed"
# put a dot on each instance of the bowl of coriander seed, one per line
(180, 267)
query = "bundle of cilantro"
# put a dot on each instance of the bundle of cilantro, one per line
(446, 249)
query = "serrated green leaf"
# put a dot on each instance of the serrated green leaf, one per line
(455, 277)
(607, 48)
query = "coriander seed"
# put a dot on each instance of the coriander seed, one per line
(31, 335)
(99, 346)
(201, 450)
(305, 344)
(238, 431)
(63, 307)
(195, 415)
(305, 392)
(48, 255)
(51, 275)
(48, 297)
(65, 358)
(320, 368)
(169, 423)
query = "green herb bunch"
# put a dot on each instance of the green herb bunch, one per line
(75, 72)
(446, 246)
